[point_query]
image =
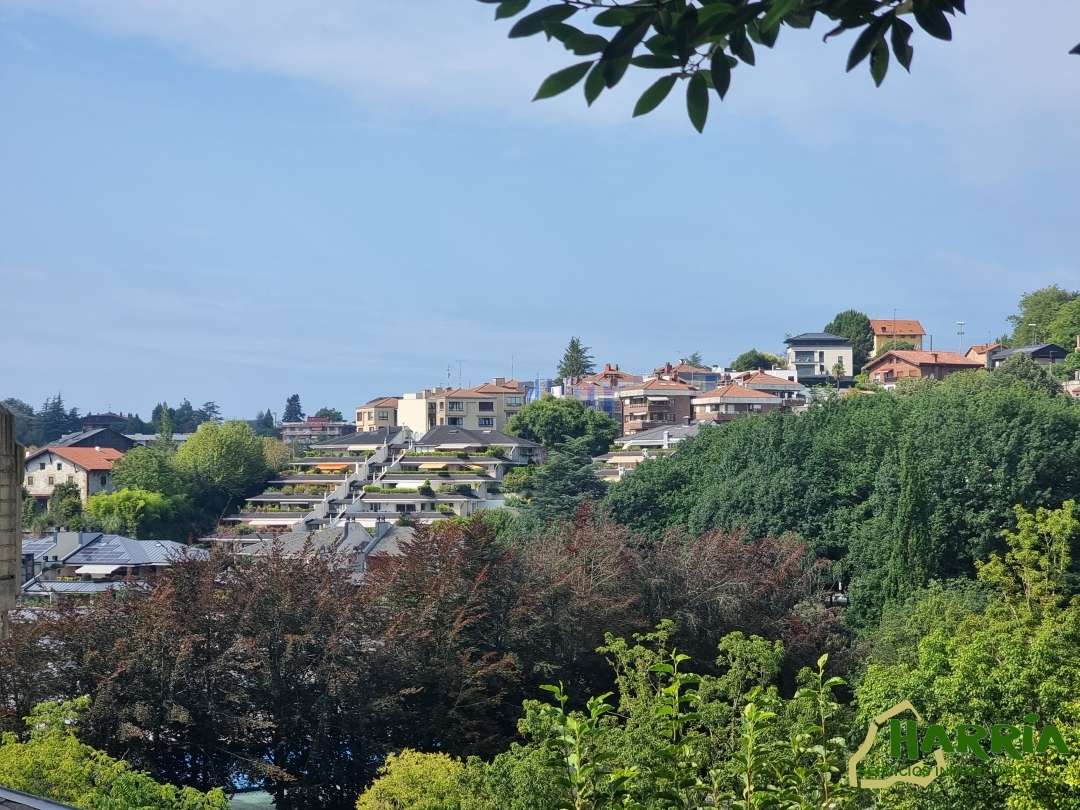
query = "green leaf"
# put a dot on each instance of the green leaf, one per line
(720, 70)
(575, 40)
(652, 97)
(867, 39)
(510, 8)
(649, 60)
(534, 23)
(562, 80)
(779, 10)
(879, 62)
(594, 83)
(741, 47)
(697, 101)
(1076, 50)
(628, 38)
(613, 71)
(932, 19)
(900, 34)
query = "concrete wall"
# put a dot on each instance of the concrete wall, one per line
(11, 466)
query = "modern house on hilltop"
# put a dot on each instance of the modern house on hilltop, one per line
(819, 358)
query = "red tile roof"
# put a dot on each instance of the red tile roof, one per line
(736, 391)
(763, 379)
(89, 458)
(381, 402)
(925, 359)
(985, 348)
(659, 387)
(891, 326)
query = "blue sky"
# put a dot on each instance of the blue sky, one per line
(202, 202)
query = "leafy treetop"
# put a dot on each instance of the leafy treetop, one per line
(700, 42)
(576, 360)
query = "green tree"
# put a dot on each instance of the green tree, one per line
(551, 421)
(53, 421)
(264, 424)
(695, 359)
(565, 482)
(65, 506)
(1065, 326)
(576, 360)
(26, 428)
(1039, 307)
(333, 414)
(209, 412)
(753, 359)
(855, 326)
(293, 411)
(54, 764)
(419, 781)
(1022, 369)
(151, 468)
(138, 513)
(225, 458)
(700, 43)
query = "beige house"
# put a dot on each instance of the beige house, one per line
(380, 412)
(89, 468)
(729, 401)
(485, 407)
(889, 332)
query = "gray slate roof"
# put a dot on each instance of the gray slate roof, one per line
(450, 434)
(654, 437)
(17, 800)
(112, 549)
(817, 338)
(45, 586)
(57, 545)
(1041, 349)
(371, 438)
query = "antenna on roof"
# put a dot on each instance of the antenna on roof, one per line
(960, 332)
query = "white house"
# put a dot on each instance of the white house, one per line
(90, 468)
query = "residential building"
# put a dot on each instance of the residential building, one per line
(732, 400)
(779, 382)
(632, 450)
(485, 407)
(819, 358)
(109, 562)
(380, 412)
(450, 471)
(655, 403)
(45, 553)
(982, 352)
(96, 437)
(103, 420)
(313, 429)
(703, 379)
(1045, 354)
(599, 391)
(890, 331)
(898, 364)
(150, 439)
(89, 468)
(11, 472)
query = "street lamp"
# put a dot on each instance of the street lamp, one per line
(960, 332)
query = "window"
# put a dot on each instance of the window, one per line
(487, 407)
(51, 480)
(456, 405)
(41, 465)
(384, 415)
(71, 478)
(104, 480)
(514, 402)
(821, 357)
(487, 421)
(59, 465)
(455, 420)
(30, 480)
